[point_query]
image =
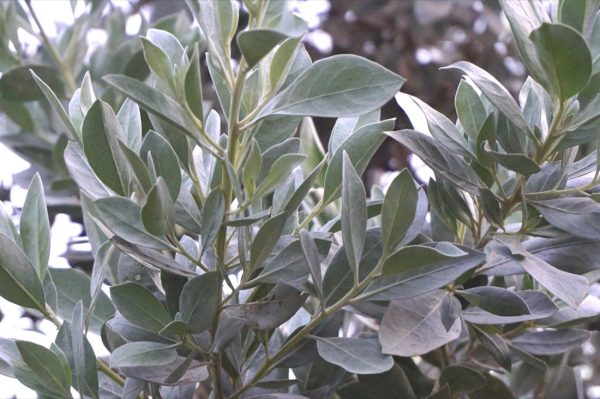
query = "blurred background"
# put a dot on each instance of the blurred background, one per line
(411, 37)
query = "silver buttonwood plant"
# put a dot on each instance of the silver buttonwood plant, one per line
(245, 260)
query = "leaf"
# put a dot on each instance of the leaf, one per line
(578, 14)
(495, 92)
(165, 160)
(218, 21)
(159, 61)
(140, 173)
(151, 259)
(345, 127)
(53, 100)
(290, 263)
(520, 163)
(469, 109)
(496, 300)
(566, 57)
(311, 253)
(450, 311)
(256, 43)
(18, 84)
(35, 227)
(130, 120)
(157, 212)
(122, 217)
(354, 215)
(152, 100)
(20, 281)
(72, 286)
(146, 354)
(399, 209)
(550, 342)
(199, 300)
(85, 369)
(278, 173)
(48, 368)
(569, 287)
(100, 132)
(418, 269)
(212, 218)
(193, 86)
(495, 345)
(491, 208)
(342, 85)
(579, 216)
(139, 306)
(276, 308)
(82, 173)
(413, 326)
(266, 239)
(359, 356)
(450, 166)
(540, 307)
(303, 189)
(442, 129)
(360, 147)
(461, 379)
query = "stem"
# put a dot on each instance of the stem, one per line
(64, 68)
(307, 329)
(574, 190)
(314, 212)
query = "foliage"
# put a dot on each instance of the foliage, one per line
(236, 257)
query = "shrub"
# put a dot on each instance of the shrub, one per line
(251, 263)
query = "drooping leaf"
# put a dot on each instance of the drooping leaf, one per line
(442, 129)
(311, 253)
(579, 216)
(550, 342)
(450, 166)
(152, 100)
(355, 355)
(122, 217)
(413, 326)
(277, 307)
(495, 92)
(569, 287)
